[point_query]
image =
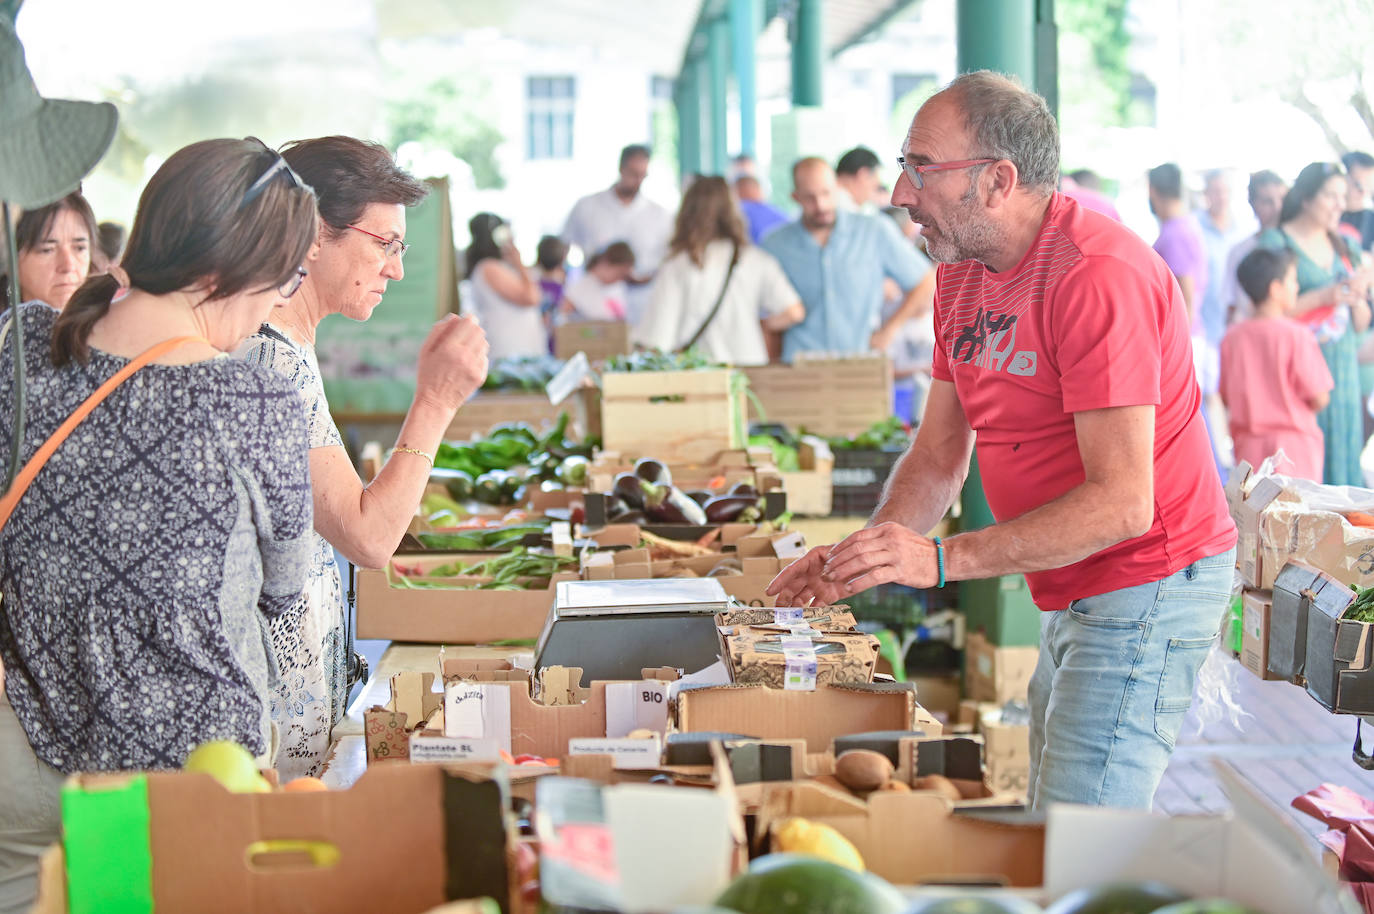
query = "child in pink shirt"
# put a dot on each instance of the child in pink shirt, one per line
(1274, 380)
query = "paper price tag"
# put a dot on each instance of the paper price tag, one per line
(788, 616)
(627, 754)
(804, 630)
(569, 378)
(799, 674)
(796, 642)
(449, 749)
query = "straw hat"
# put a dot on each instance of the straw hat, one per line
(46, 145)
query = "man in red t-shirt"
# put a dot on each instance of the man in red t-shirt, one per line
(1063, 351)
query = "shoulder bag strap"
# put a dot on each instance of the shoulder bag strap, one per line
(715, 309)
(26, 475)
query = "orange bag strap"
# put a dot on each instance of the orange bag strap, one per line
(26, 475)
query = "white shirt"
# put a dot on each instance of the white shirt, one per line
(595, 300)
(511, 329)
(602, 218)
(684, 293)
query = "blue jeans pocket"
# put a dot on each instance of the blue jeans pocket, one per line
(1182, 659)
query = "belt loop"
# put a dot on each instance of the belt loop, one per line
(1191, 571)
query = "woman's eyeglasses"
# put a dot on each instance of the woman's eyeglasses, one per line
(290, 287)
(392, 247)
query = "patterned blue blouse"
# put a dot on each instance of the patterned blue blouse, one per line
(140, 569)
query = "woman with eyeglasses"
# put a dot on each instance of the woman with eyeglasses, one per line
(363, 197)
(141, 566)
(1333, 289)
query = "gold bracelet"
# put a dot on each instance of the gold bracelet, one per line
(411, 450)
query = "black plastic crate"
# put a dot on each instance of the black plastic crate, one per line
(858, 479)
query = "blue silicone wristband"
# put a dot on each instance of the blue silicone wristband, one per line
(939, 560)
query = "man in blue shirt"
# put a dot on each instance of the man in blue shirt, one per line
(837, 262)
(760, 215)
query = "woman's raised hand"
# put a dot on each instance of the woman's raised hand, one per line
(453, 362)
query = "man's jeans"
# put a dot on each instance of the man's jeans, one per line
(1114, 679)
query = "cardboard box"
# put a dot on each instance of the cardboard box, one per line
(1276, 527)
(824, 396)
(830, 618)
(674, 415)
(414, 706)
(938, 693)
(816, 717)
(997, 674)
(810, 490)
(1340, 654)
(761, 654)
(196, 847)
(456, 616)
(1257, 607)
(598, 339)
(1288, 617)
(1006, 754)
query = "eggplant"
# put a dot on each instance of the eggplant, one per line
(701, 496)
(670, 505)
(653, 471)
(629, 488)
(725, 509)
(628, 517)
(744, 488)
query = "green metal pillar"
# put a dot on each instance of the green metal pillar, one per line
(807, 56)
(689, 120)
(718, 62)
(746, 21)
(1047, 54)
(997, 35)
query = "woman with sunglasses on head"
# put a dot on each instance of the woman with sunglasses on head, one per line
(55, 244)
(141, 565)
(363, 197)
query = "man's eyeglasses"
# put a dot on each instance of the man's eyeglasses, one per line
(392, 247)
(278, 167)
(290, 287)
(916, 172)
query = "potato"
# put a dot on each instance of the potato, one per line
(863, 769)
(896, 787)
(941, 785)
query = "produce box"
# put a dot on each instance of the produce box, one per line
(175, 841)
(598, 339)
(816, 717)
(782, 659)
(997, 674)
(1006, 753)
(831, 618)
(858, 479)
(1288, 617)
(1257, 608)
(1252, 857)
(492, 407)
(824, 396)
(1340, 652)
(1276, 525)
(684, 416)
(454, 616)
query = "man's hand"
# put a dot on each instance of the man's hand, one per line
(885, 554)
(881, 339)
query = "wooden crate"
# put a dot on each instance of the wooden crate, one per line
(488, 408)
(823, 396)
(687, 416)
(598, 339)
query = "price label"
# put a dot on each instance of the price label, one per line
(799, 674)
(569, 378)
(450, 749)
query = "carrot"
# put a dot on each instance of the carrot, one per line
(1359, 518)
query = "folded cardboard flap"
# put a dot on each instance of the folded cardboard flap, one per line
(413, 707)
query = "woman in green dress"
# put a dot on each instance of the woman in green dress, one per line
(1333, 288)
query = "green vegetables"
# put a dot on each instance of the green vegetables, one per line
(785, 456)
(890, 434)
(1362, 610)
(524, 373)
(489, 469)
(654, 360)
(480, 540)
(518, 569)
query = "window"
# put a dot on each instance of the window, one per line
(549, 123)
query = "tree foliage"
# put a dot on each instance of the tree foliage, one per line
(449, 113)
(1100, 27)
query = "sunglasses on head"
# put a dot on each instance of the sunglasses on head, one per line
(278, 167)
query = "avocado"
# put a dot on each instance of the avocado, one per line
(1118, 898)
(798, 884)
